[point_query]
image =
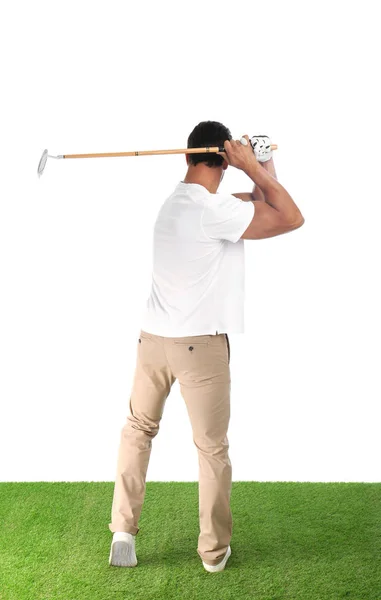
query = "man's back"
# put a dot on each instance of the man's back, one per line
(198, 264)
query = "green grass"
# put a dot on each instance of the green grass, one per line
(294, 541)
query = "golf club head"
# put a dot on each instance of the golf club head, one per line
(42, 163)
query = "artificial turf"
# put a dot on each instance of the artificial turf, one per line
(304, 541)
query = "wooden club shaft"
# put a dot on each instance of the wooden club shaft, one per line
(151, 152)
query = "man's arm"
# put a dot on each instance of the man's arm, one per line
(257, 193)
(270, 168)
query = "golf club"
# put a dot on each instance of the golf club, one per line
(254, 141)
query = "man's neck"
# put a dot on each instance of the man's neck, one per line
(205, 177)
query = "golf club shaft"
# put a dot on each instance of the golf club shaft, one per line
(151, 152)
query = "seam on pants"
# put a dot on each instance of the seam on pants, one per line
(227, 341)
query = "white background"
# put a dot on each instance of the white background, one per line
(76, 244)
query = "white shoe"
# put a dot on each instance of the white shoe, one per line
(122, 553)
(220, 566)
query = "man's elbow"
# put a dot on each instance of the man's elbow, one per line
(299, 222)
(297, 219)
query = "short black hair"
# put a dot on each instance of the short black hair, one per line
(208, 133)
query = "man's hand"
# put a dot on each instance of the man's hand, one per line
(262, 147)
(240, 156)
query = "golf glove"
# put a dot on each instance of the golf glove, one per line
(262, 147)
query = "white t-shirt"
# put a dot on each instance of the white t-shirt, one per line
(198, 277)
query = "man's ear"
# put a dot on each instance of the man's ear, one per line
(187, 158)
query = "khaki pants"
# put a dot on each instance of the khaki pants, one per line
(202, 366)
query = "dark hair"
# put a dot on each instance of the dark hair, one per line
(208, 133)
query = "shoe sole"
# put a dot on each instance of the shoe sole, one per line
(122, 554)
(220, 566)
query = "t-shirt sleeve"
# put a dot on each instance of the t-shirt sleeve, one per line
(227, 217)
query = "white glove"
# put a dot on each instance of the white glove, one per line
(262, 147)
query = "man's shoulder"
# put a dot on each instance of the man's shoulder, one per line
(221, 199)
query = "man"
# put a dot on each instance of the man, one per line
(197, 298)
